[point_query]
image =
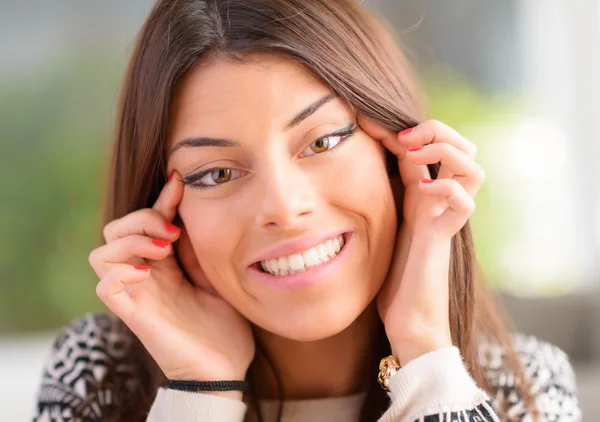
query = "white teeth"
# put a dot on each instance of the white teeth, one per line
(274, 265)
(330, 249)
(284, 264)
(265, 266)
(322, 251)
(310, 257)
(300, 262)
(296, 262)
(337, 245)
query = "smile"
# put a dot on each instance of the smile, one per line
(304, 267)
(302, 261)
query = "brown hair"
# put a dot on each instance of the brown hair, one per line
(340, 42)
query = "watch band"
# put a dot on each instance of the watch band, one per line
(388, 366)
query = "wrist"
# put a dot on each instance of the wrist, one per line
(425, 242)
(198, 374)
(230, 389)
(404, 352)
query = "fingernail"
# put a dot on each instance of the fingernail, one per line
(407, 131)
(161, 243)
(427, 180)
(171, 176)
(142, 267)
(171, 228)
(415, 148)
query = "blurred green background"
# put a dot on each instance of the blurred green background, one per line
(56, 129)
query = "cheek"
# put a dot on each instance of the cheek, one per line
(362, 189)
(362, 183)
(211, 235)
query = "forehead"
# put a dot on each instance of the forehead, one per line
(264, 90)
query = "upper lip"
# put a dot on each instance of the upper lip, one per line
(297, 245)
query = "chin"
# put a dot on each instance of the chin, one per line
(313, 324)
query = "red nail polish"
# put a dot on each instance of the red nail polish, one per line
(171, 228)
(411, 149)
(142, 267)
(427, 180)
(407, 131)
(171, 176)
(161, 243)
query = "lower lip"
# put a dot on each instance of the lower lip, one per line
(308, 278)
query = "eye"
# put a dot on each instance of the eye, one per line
(322, 145)
(329, 142)
(212, 177)
(220, 176)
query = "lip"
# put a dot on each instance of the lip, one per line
(310, 277)
(299, 245)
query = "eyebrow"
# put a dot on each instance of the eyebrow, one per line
(203, 142)
(304, 114)
(218, 142)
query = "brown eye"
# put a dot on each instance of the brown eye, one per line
(221, 175)
(320, 146)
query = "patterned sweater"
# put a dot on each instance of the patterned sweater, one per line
(433, 387)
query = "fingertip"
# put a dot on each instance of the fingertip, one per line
(172, 228)
(160, 243)
(405, 132)
(373, 128)
(170, 196)
(174, 176)
(171, 176)
(176, 181)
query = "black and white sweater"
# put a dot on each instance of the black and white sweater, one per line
(433, 387)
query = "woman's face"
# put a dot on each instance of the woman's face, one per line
(267, 179)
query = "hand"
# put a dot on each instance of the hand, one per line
(414, 301)
(191, 333)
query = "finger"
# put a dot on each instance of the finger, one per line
(146, 222)
(461, 204)
(111, 288)
(125, 249)
(409, 172)
(456, 164)
(169, 197)
(434, 131)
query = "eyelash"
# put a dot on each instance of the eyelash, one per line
(344, 133)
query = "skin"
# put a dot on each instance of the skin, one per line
(398, 274)
(284, 194)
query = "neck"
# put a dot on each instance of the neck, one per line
(331, 367)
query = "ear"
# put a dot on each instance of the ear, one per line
(188, 262)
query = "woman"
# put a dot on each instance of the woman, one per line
(313, 227)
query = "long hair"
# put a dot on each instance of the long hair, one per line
(340, 42)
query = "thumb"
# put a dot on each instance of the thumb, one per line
(170, 197)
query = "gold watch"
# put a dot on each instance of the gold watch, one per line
(387, 367)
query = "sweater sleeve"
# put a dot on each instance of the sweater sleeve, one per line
(437, 387)
(75, 366)
(184, 406)
(549, 373)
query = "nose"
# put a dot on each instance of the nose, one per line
(288, 197)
